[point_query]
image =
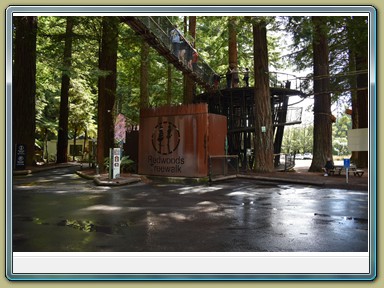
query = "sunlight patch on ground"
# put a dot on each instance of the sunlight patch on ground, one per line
(175, 216)
(197, 190)
(240, 193)
(103, 207)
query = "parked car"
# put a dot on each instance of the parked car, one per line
(307, 156)
(299, 157)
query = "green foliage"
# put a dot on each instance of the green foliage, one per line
(343, 34)
(299, 139)
(82, 109)
(126, 164)
(212, 42)
(83, 74)
(339, 135)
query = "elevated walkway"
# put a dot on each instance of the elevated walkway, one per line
(155, 30)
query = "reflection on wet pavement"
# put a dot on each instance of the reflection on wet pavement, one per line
(63, 212)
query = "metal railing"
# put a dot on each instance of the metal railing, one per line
(285, 80)
(293, 115)
(223, 167)
(285, 162)
(160, 28)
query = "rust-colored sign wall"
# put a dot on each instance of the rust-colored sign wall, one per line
(177, 140)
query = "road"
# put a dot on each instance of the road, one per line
(58, 211)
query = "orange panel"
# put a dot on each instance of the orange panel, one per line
(174, 140)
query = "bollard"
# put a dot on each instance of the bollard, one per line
(347, 164)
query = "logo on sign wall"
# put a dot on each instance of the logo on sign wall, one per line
(165, 138)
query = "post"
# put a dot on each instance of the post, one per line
(346, 175)
(20, 156)
(347, 164)
(114, 163)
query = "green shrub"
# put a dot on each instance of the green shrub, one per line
(126, 164)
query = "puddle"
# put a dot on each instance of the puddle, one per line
(361, 220)
(344, 220)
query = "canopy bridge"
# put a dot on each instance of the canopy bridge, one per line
(156, 31)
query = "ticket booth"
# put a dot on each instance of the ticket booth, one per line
(176, 141)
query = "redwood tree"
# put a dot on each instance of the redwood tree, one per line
(232, 42)
(189, 83)
(263, 142)
(352, 82)
(107, 88)
(322, 125)
(24, 84)
(361, 62)
(62, 138)
(144, 72)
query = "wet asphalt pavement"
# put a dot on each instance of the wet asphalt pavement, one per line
(58, 211)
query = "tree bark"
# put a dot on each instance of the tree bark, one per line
(189, 83)
(322, 126)
(62, 138)
(352, 83)
(107, 88)
(232, 42)
(263, 142)
(24, 85)
(192, 28)
(144, 79)
(362, 85)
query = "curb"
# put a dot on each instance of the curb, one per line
(179, 180)
(38, 170)
(85, 176)
(99, 181)
(285, 180)
(115, 182)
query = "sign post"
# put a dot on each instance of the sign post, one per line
(114, 160)
(20, 156)
(347, 164)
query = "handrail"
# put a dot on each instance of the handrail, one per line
(159, 28)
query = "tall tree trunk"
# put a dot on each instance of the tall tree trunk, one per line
(352, 80)
(352, 83)
(322, 126)
(192, 28)
(263, 142)
(107, 88)
(232, 42)
(24, 85)
(74, 144)
(189, 83)
(85, 148)
(144, 72)
(62, 137)
(362, 84)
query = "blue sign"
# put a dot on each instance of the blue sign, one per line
(347, 163)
